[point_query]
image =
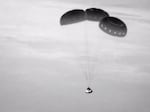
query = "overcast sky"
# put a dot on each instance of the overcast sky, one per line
(127, 3)
(42, 63)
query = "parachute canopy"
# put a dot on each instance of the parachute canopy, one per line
(113, 26)
(95, 14)
(110, 25)
(79, 15)
(73, 16)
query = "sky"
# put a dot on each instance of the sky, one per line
(119, 3)
(42, 64)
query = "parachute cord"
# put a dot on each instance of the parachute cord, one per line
(87, 57)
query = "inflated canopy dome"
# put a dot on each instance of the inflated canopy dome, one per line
(95, 14)
(79, 15)
(113, 26)
(110, 25)
(72, 16)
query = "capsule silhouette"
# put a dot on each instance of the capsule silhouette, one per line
(88, 90)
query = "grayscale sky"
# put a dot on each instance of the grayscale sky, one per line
(127, 3)
(42, 64)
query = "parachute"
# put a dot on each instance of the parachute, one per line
(110, 25)
(94, 14)
(79, 15)
(113, 26)
(73, 16)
